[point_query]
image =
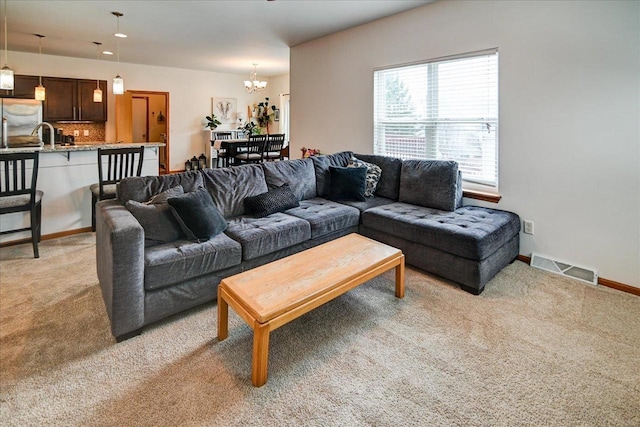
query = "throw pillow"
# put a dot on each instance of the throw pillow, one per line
(156, 218)
(278, 199)
(347, 183)
(197, 215)
(373, 174)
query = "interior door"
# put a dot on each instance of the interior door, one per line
(140, 119)
(124, 117)
(158, 129)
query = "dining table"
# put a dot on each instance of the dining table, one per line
(235, 146)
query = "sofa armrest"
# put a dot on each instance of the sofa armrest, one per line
(120, 263)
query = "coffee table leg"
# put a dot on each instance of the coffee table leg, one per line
(223, 317)
(260, 361)
(400, 279)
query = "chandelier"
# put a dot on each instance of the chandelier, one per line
(253, 84)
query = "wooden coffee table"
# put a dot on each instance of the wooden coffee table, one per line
(274, 294)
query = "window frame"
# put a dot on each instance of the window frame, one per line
(471, 187)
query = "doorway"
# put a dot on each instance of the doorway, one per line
(140, 119)
(143, 116)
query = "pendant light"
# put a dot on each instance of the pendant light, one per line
(6, 74)
(97, 93)
(118, 82)
(40, 91)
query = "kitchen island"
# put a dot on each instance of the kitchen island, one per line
(64, 175)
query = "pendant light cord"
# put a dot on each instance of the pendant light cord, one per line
(40, 56)
(97, 59)
(6, 51)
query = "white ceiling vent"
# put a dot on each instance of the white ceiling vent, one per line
(585, 274)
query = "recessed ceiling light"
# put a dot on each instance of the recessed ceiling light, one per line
(107, 52)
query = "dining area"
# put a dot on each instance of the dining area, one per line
(227, 151)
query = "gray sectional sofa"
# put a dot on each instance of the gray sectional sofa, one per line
(417, 207)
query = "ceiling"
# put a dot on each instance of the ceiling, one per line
(216, 35)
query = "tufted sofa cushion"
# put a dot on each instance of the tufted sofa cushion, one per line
(298, 174)
(141, 189)
(230, 186)
(170, 263)
(325, 216)
(262, 236)
(389, 182)
(431, 183)
(470, 232)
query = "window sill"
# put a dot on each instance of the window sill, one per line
(479, 195)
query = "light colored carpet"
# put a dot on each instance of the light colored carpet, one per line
(533, 349)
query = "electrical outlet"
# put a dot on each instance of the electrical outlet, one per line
(76, 133)
(528, 227)
(86, 132)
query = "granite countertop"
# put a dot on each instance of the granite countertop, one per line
(83, 146)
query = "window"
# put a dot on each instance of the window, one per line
(446, 109)
(285, 105)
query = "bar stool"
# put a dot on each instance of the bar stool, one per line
(18, 178)
(114, 164)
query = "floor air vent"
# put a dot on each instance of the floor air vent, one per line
(585, 274)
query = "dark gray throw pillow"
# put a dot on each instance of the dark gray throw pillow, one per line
(347, 183)
(275, 200)
(156, 218)
(197, 215)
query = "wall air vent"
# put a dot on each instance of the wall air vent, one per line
(585, 274)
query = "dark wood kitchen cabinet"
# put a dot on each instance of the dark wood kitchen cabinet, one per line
(23, 87)
(89, 110)
(72, 100)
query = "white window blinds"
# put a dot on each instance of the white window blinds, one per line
(445, 109)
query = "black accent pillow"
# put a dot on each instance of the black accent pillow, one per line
(275, 200)
(347, 183)
(156, 218)
(197, 215)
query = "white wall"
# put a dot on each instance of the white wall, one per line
(569, 111)
(190, 93)
(277, 86)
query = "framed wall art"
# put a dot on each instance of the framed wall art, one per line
(225, 109)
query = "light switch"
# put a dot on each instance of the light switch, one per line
(86, 132)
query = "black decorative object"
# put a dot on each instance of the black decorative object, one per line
(277, 200)
(202, 161)
(347, 183)
(198, 217)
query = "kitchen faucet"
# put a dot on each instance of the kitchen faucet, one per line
(51, 136)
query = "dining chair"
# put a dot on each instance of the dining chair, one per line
(273, 150)
(284, 153)
(223, 151)
(114, 164)
(19, 175)
(254, 150)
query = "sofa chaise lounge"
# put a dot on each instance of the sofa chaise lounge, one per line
(417, 207)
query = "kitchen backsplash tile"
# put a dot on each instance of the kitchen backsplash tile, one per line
(96, 131)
